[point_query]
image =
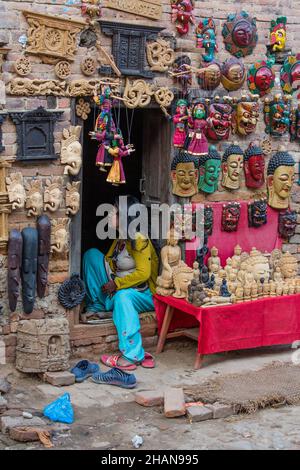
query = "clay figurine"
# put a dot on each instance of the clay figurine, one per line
(184, 175)
(233, 74)
(287, 223)
(261, 78)
(280, 179)
(232, 165)
(209, 170)
(231, 216)
(14, 263)
(180, 122)
(206, 38)
(240, 34)
(254, 166)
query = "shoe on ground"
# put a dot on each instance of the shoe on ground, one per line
(116, 377)
(84, 369)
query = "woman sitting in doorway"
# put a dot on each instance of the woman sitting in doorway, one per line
(123, 281)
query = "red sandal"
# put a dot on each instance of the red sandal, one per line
(148, 361)
(112, 361)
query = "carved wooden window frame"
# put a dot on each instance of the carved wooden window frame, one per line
(5, 208)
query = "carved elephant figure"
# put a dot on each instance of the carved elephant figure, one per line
(53, 196)
(71, 151)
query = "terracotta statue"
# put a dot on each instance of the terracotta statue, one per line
(277, 115)
(290, 75)
(14, 263)
(219, 121)
(209, 75)
(170, 256)
(246, 117)
(233, 74)
(44, 240)
(261, 78)
(180, 122)
(34, 197)
(254, 166)
(184, 175)
(209, 170)
(72, 198)
(280, 179)
(196, 142)
(240, 34)
(182, 15)
(16, 190)
(206, 38)
(232, 165)
(214, 262)
(182, 277)
(53, 196)
(60, 236)
(288, 266)
(71, 151)
(29, 267)
(257, 213)
(287, 223)
(230, 216)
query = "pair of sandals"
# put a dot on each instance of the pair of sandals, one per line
(113, 361)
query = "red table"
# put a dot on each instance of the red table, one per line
(263, 322)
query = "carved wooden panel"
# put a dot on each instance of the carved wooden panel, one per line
(129, 46)
(2, 117)
(35, 134)
(5, 208)
(148, 8)
(51, 36)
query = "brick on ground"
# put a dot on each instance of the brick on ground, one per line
(199, 413)
(174, 402)
(150, 398)
(9, 422)
(220, 410)
(59, 379)
(3, 404)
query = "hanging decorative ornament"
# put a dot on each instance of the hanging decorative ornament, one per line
(88, 66)
(287, 223)
(118, 150)
(219, 119)
(277, 115)
(254, 166)
(83, 109)
(261, 78)
(209, 76)
(209, 170)
(230, 216)
(206, 38)
(62, 69)
(182, 15)
(180, 119)
(280, 179)
(257, 213)
(240, 34)
(290, 75)
(22, 66)
(295, 124)
(246, 115)
(233, 74)
(277, 50)
(182, 73)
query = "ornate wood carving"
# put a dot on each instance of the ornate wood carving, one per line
(83, 109)
(52, 37)
(27, 87)
(62, 69)
(71, 150)
(160, 55)
(16, 190)
(129, 45)
(5, 208)
(53, 195)
(3, 52)
(35, 134)
(60, 235)
(34, 198)
(147, 8)
(88, 66)
(22, 66)
(73, 198)
(138, 94)
(2, 118)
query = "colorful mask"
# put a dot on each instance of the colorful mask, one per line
(230, 216)
(254, 167)
(181, 72)
(290, 75)
(208, 220)
(184, 175)
(257, 213)
(295, 124)
(240, 34)
(233, 74)
(232, 165)
(281, 174)
(180, 123)
(182, 15)
(209, 170)
(278, 34)
(210, 78)
(277, 115)
(261, 78)
(287, 224)
(246, 117)
(206, 38)
(219, 121)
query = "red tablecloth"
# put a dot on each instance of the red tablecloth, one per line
(263, 322)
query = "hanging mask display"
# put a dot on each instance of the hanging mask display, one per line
(287, 223)
(233, 74)
(210, 76)
(277, 35)
(182, 15)
(295, 124)
(254, 166)
(184, 175)
(246, 116)
(232, 165)
(261, 78)
(209, 170)
(277, 115)
(240, 34)
(219, 121)
(180, 123)
(182, 72)
(206, 38)
(230, 216)
(196, 141)
(208, 221)
(280, 179)
(290, 75)
(257, 213)
(29, 267)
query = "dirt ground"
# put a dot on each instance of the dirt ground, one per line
(106, 417)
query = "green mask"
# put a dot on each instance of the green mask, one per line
(209, 175)
(199, 114)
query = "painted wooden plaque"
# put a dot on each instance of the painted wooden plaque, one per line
(148, 8)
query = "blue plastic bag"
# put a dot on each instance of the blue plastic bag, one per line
(60, 410)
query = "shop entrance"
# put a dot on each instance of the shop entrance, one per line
(146, 170)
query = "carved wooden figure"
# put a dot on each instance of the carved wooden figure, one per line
(60, 235)
(280, 179)
(233, 74)
(184, 175)
(180, 123)
(206, 38)
(254, 166)
(231, 216)
(34, 198)
(290, 75)
(182, 15)
(71, 150)
(257, 213)
(170, 258)
(73, 198)
(246, 116)
(14, 263)
(261, 78)
(219, 120)
(232, 165)
(29, 268)
(277, 115)
(209, 170)
(16, 190)
(240, 34)
(44, 239)
(5, 207)
(209, 75)
(182, 277)
(160, 55)
(53, 196)
(287, 223)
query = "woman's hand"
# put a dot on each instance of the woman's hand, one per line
(109, 288)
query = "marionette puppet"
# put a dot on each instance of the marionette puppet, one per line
(118, 150)
(180, 122)
(196, 141)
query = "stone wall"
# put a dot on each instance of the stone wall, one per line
(14, 25)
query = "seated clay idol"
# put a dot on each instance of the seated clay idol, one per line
(232, 164)
(254, 166)
(209, 170)
(280, 179)
(184, 175)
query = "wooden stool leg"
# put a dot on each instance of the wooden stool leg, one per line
(164, 330)
(198, 361)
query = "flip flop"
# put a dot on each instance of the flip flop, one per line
(148, 362)
(112, 361)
